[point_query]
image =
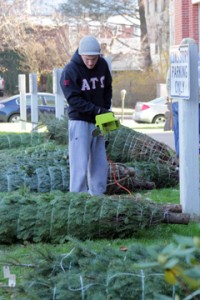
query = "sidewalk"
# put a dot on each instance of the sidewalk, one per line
(157, 133)
(17, 127)
(27, 127)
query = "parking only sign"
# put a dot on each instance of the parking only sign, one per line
(180, 72)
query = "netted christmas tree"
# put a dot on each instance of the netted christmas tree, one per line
(16, 140)
(87, 274)
(127, 145)
(132, 272)
(45, 167)
(51, 217)
(124, 144)
(39, 161)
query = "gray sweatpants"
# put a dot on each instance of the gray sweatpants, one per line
(87, 158)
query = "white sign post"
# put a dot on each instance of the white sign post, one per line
(184, 87)
(59, 98)
(22, 90)
(34, 100)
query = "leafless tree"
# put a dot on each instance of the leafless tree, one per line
(101, 9)
(40, 45)
(145, 47)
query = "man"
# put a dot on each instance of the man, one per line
(87, 85)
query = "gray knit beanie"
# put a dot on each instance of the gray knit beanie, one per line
(89, 46)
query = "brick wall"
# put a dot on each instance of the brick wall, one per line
(186, 20)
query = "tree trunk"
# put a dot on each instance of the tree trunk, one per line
(145, 47)
(176, 208)
(174, 218)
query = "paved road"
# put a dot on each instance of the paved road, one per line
(158, 134)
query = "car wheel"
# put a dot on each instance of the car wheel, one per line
(14, 118)
(159, 119)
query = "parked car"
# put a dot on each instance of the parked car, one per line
(10, 107)
(152, 111)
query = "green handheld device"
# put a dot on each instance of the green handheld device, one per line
(106, 123)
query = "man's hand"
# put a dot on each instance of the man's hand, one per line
(102, 111)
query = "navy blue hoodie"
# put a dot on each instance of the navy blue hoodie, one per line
(88, 91)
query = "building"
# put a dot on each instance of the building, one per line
(186, 18)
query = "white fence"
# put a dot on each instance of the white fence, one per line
(33, 89)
